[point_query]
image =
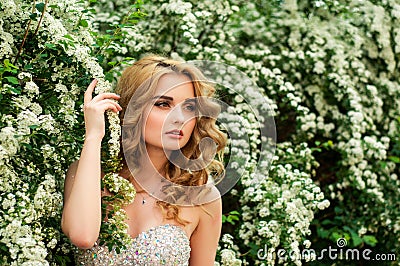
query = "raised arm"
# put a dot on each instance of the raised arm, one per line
(81, 217)
(204, 240)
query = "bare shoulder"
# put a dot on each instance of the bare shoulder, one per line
(204, 240)
(212, 209)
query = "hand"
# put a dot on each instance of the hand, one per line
(94, 109)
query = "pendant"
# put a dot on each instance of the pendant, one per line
(143, 201)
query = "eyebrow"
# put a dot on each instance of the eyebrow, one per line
(163, 97)
(172, 99)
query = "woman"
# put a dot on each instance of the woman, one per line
(163, 133)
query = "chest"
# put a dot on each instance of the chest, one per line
(144, 213)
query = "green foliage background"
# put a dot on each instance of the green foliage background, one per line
(330, 70)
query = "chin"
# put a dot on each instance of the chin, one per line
(169, 148)
(173, 146)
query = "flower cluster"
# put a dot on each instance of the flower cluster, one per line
(114, 230)
(47, 58)
(228, 252)
(288, 191)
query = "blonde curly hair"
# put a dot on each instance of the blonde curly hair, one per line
(141, 79)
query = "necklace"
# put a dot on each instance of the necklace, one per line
(144, 199)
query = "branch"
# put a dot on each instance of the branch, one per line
(25, 36)
(41, 18)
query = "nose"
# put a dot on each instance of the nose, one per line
(177, 115)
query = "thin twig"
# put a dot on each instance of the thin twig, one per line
(41, 18)
(117, 30)
(25, 36)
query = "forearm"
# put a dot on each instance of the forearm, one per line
(82, 209)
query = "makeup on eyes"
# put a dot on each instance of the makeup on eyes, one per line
(189, 104)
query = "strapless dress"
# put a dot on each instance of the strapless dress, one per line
(160, 245)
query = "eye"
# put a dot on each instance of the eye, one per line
(190, 107)
(162, 104)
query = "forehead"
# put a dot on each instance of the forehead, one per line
(175, 85)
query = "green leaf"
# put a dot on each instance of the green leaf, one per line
(83, 23)
(330, 143)
(67, 36)
(33, 16)
(357, 240)
(394, 159)
(50, 46)
(100, 58)
(15, 90)
(327, 222)
(336, 236)
(370, 240)
(109, 76)
(8, 65)
(40, 7)
(27, 145)
(338, 210)
(12, 80)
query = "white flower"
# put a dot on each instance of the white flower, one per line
(307, 243)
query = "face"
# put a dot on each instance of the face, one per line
(172, 116)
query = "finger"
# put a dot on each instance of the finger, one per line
(101, 106)
(109, 106)
(106, 95)
(88, 93)
(111, 102)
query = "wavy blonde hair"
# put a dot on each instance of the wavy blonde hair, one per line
(141, 79)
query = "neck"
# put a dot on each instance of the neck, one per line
(155, 159)
(151, 166)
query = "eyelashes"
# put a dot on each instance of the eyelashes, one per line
(190, 107)
(162, 104)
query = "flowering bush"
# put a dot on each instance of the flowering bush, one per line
(346, 82)
(327, 69)
(48, 56)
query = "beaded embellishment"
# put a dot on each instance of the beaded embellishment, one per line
(161, 245)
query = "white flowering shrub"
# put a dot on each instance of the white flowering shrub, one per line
(328, 69)
(49, 53)
(342, 59)
(342, 98)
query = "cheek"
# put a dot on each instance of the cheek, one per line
(189, 126)
(154, 124)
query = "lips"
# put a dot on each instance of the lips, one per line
(175, 132)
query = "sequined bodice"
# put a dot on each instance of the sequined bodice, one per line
(160, 245)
